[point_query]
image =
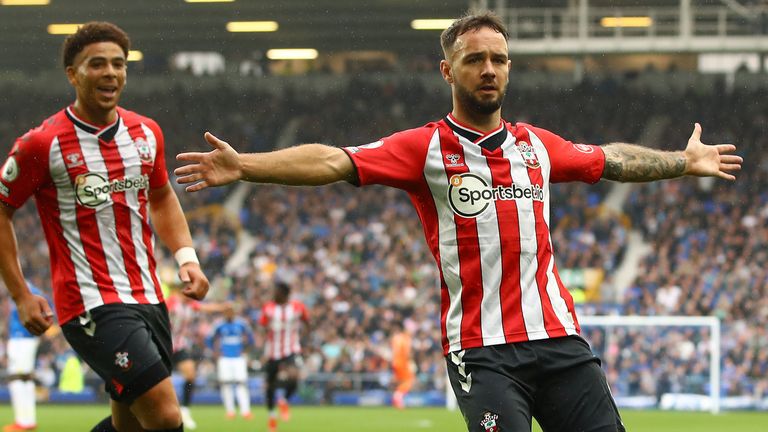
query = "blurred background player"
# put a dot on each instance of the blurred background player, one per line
(22, 351)
(185, 355)
(402, 364)
(284, 321)
(229, 340)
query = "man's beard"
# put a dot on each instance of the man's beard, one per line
(468, 100)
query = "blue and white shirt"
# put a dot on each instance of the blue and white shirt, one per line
(233, 337)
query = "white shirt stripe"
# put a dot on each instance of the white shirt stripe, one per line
(434, 173)
(288, 314)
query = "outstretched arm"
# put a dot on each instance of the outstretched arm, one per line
(304, 165)
(632, 163)
(213, 307)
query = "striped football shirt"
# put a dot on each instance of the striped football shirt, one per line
(91, 188)
(483, 201)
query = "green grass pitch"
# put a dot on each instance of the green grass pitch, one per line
(79, 418)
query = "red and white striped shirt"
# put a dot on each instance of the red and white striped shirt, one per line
(90, 185)
(283, 322)
(483, 201)
(182, 312)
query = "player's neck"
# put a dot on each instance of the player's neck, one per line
(481, 122)
(96, 117)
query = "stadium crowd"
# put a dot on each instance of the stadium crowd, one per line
(359, 261)
(709, 251)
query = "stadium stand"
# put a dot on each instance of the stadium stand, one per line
(358, 260)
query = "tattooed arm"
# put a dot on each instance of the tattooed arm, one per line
(632, 163)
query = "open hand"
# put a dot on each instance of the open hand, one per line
(218, 167)
(710, 160)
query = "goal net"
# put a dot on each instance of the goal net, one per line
(666, 362)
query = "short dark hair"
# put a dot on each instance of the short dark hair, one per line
(283, 288)
(471, 21)
(93, 32)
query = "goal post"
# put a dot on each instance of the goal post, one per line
(711, 322)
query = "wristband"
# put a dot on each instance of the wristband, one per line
(185, 255)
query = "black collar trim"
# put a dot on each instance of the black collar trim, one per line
(490, 141)
(106, 133)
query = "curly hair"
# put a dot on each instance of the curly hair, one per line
(93, 32)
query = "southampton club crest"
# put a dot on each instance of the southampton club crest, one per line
(529, 155)
(144, 150)
(489, 422)
(122, 361)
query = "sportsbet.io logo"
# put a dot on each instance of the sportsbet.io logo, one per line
(92, 190)
(469, 195)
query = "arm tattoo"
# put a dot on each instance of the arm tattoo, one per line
(632, 163)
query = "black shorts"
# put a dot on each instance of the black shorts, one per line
(129, 346)
(558, 382)
(273, 367)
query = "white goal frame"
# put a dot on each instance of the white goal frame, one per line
(671, 321)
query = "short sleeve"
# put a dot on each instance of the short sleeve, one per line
(159, 176)
(571, 162)
(25, 170)
(397, 160)
(264, 318)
